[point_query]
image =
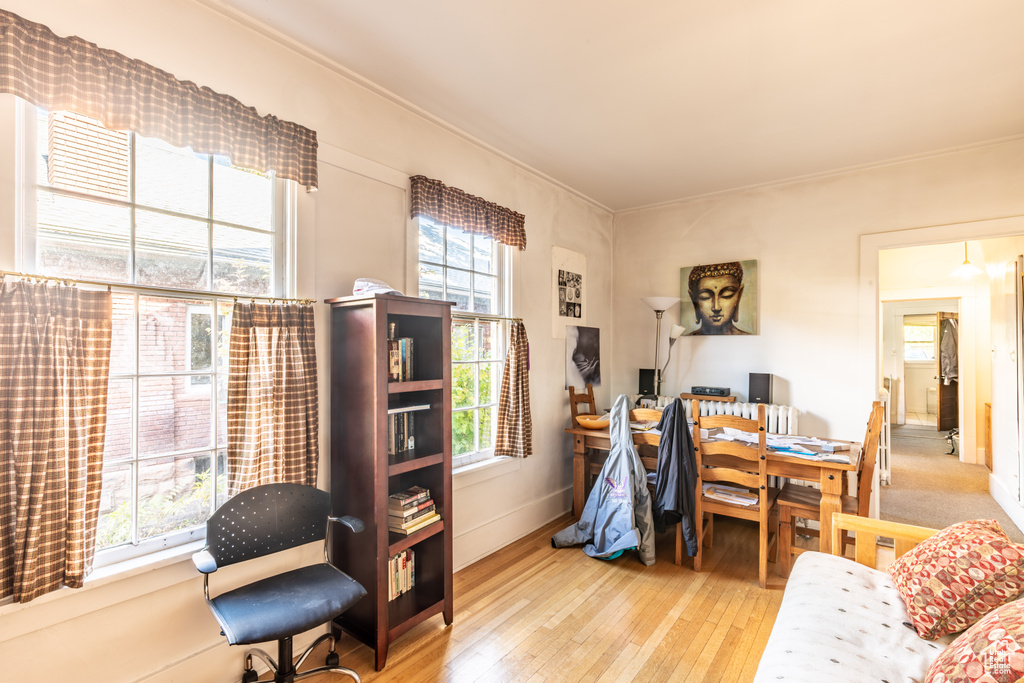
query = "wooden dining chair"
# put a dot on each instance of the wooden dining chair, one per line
(744, 466)
(576, 399)
(796, 501)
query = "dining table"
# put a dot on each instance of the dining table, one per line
(829, 474)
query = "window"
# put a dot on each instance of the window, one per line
(175, 234)
(471, 271)
(919, 338)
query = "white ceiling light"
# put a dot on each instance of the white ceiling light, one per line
(966, 270)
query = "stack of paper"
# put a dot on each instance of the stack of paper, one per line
(730, 494)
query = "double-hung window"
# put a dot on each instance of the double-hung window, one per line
(473, 271)
(176, 235)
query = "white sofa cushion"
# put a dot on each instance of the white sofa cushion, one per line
(842, 621)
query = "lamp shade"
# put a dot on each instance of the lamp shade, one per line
(676, 332)
(660, 303)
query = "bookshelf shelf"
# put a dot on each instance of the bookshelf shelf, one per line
(372, 418)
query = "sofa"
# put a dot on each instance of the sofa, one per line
(844, 620)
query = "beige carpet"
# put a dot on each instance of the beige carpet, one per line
(933, 489)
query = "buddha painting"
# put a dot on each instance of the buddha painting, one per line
(716, 293)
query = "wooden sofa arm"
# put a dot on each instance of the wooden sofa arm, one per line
(906, 536)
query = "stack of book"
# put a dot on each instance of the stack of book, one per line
(411, 510)
(401, 573)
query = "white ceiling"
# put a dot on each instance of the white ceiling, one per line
(633, 104)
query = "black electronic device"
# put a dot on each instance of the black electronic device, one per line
(710, 391)
(760, 388)
(646, 381)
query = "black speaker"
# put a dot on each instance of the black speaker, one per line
(646, 381)
(760, 388)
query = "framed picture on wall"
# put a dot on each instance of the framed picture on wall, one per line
(719, 298)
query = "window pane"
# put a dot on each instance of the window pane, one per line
(222, 410)
(483, 255)
(115, 520)
(462, 341)
(485, 293)
(463, 385)
(490, 385)
(174, 415)
(487, 340)
(431, 242)
(223, 335)
(117, 441)
(463, 437)
(174, 493)
(487, 421)
(122, 336)
(165, 344)
(77, 153)
(200, 338)
(457, 283)
(241, 196)
(222, 478)
(171, 178)
(431, 284)
(79, 238)
(170, 251)
(457, 252)
(243, 261)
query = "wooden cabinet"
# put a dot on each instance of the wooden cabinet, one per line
(364, 474)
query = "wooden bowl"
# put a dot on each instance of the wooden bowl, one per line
(594, 421)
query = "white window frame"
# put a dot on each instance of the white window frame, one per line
(283, 226)
(503, 274)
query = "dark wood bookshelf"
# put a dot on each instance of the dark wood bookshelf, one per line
(364, 474)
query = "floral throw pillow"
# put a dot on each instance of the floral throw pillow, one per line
(991, 651)
(957, 576)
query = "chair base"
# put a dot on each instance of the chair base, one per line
(286, 672)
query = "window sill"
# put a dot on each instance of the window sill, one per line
(112, 573)
(478, 472)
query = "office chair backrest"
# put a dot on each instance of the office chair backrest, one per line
(266, 519)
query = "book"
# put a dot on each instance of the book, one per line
(408, 511)
(394, 355)
(410, 520)
(411, 511)
(410, 496)
(422, 523)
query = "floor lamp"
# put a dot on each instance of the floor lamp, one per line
(659, 304)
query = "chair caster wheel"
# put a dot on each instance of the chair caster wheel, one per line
(332, 659)
(250, 676)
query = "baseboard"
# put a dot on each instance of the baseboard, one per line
(1007, 501)
(223, 663)
(494, 534)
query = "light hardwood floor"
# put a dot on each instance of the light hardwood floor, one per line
(533, 613)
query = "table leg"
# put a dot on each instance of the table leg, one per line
(831, 502)
(579, 469)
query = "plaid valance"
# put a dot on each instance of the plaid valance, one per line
(435, 201)
(125, 94)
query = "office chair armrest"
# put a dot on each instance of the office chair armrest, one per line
(351, 522)
(204, 561)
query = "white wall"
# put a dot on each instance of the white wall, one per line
(819, 288)
(156, 626)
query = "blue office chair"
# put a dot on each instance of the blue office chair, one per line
(262, 521)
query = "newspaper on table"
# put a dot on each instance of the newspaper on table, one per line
(791, 445)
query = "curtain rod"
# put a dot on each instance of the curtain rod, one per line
(155, 290)
(483, 316)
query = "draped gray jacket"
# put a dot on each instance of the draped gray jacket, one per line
(617, 515)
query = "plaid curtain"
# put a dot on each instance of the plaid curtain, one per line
(125, 94)
(515, 427)
(54, 366)
(272, 396)
(435, 201)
